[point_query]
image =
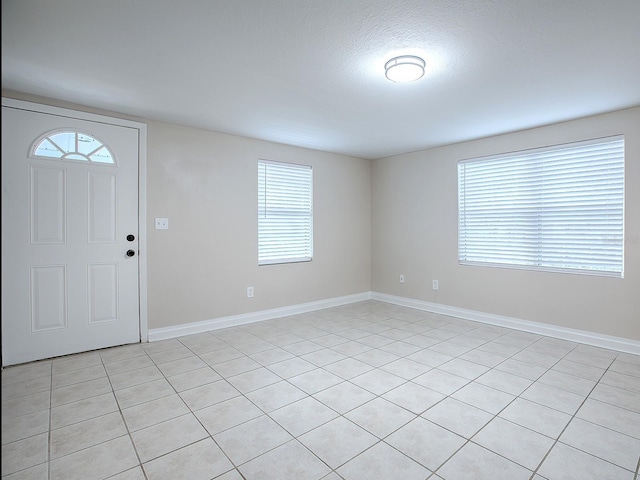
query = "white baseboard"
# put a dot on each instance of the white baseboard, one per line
(581, 336)
(165, 333)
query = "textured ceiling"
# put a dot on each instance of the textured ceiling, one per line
(310, 72)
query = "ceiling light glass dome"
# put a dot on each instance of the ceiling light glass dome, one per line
(405, 68)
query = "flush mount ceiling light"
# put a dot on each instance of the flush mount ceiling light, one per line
(405, 68)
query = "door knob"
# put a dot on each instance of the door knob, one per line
(130, 253)
(130, 238)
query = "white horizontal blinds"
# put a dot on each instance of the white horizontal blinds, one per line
(559, 208)
(285, 213)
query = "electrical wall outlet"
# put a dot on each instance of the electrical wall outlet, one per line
(162, 223)
(401, 278)
(435, 285)
(249, 292)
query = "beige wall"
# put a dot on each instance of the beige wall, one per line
(414, 232)
(206, 184)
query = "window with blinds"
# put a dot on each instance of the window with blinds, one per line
(553, 209)
(285, 213)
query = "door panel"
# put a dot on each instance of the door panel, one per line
(67, 284)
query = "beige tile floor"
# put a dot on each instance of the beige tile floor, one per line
(364, 391)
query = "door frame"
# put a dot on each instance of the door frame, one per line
(142, 186)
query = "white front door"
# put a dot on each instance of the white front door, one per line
(69, 235)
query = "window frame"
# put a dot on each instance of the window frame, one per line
(548, 235)
(299, 189)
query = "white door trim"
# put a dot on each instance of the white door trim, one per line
(142, 185)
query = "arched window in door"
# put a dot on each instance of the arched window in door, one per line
(72, 145)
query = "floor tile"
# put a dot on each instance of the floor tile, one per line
(37, 472)
(129, 364)
(536, 417)
(556, 398)
(170, 355)
(193, 378)
(450, 348)
(221, 355)
(251, 439)
(338, 441)
(376, 358)
(610, 416)
(236, 366)
(568, 382)
(441, 381)
(144, 392)
(483, 358)
(485, 398)
(209, 394)
(26, 372)
(82, 410)
(589, 359)
(378, 382)
(348, 368)
(520, 445)
(17, 428)
(521, 369)
(405, 368)
(227, 414)
(606, 444)
(153, 412)
(458, 417)
(426, 442)
(275, 396)
(567, 463)
(291, 461)
(315, 381)
(382, 461)
(413, 397)
(463, 368)
(351, 349)
(579, 370)
(25, 453)
(430, 358)
(271, 356)
(302, 416)
(77, 376)
(323, 357)
(25, 405)
(86, 434)
(80, 391)
(380, 417)
(620, 380)
(202, 460)
(503, 381)
(253, 380)
(617, 396)
(303, 347)
(123, 352)
(165, 437)
(473, 461)
(97, 462)
(77, 361)
(135, 377)
(291, 367)
(187, 364)
(344, 397)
